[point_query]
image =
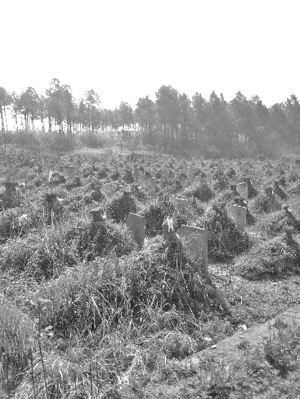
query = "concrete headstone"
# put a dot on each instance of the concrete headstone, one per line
(153, 185)
(181, 205)
(136, 173)
(239, 215)
(196, 242)
(136, 225)
(243, 189)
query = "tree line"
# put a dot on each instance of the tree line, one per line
(213, 127)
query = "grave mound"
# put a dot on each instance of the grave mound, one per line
(200, 191)
(225, 240)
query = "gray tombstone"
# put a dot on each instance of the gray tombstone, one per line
(136, 225)
(181, 205)
(136, 173)
(243, 189)
(70, 171)
(153, 185)
(196, 242)
(239, 215)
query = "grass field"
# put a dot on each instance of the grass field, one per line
(86, 313)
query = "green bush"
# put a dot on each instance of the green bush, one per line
(92, 140)
(201, 191)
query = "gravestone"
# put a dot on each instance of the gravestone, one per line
(70, 171)
(181, 205)
(136, 225)
(136, 173)
(243, 189)
(195, 240)
(239, 215)
(152, 185)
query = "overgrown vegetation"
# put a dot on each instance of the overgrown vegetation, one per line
(85, 312)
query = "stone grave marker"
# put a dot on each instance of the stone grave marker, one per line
(195, 240)
(70, 171)
(239, 215)
(136, 173)
(136, 225)
(242, 189)
(181, 205)
(153, 185)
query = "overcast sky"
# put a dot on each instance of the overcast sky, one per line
(126, 49)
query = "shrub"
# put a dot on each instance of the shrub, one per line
(155, 215)
(265, 203)
(58, 142)
(39, 256)
(274, 258)
(120, 206)
(16, 330)
(201, 191)
(92, 140)
(225, 240)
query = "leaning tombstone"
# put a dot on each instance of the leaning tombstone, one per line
(136, 225)
(243, 189)
(239, 214)
(196, 242)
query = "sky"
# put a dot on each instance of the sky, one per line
(127, 49)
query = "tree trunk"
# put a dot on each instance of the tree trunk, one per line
(6, 124)
(2, 119)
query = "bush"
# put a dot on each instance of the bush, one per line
(38, 256)
(92, 140)
(93, 239)
(265, 203)
(155, 215)
(16, 329)
(274, 258)
(225, 240)
(58, 142)
(119, 207)
(201, 191)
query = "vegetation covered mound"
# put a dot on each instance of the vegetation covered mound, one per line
(274, 258)
(100, 294)
(119, 207)
(225, 240)
(155, 215)
(266, 202)
(200, 191)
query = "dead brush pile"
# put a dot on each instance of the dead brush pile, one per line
(225, 240)
(282, 219)
(40, 256)
(266, 202)
(98, 238)
(119, 207)
(274, 258)
(155, 215)
(200, 191)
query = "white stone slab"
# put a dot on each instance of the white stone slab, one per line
(181, 205)
(239, 214)
(136, 225)
(242, 189)
(196, 242)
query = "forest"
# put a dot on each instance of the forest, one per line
(181, 125)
